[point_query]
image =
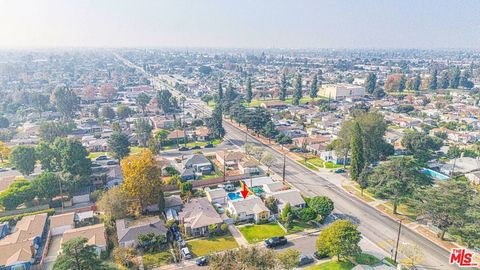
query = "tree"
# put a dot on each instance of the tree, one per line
(288, 259)
(107, 91)
(269, 131)
(417, 81)
(271, 203)
(283, 87)
(4, 151)
(150, 242)
(297, 95)
(244, 258)
(142, 101)
(356, 145)
(4, 123)
(455, 78)
(76, 254)
(370, 82)
(72, 157)
(143, 130)
(215, 123)
(340, 239)
(23, 158)
(230, 94)
(166, 102)
(107, 112)
(142, 178)
(220, 93)
(421, 145)
(322, 205)
(118, 145)
(50, 130)
(314, 87)
(412, 254)
(268, 160)
(89, 92)
(185, 187)
(46, 185)
(47, 156)
(402, 83)
(20, 191)
(444, 80)
(114, 203)
(249, 90)
(433, 80)
(66, 101)
(469, 232)
(125, 256)
(124, 111)
(445, 204)
(397, 180)
(286, 211)
(307, 214)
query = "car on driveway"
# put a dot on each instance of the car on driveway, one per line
(275, 242)
(183, 148)
(208, 146)
(196, 147)
(186, 253)
(339, 171)
(202, 261)
(102, 157)
(304, 260)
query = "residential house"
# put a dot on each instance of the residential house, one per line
(19, 249)
(217, 195)
(249, 209)
(273, 187)
(249, 167)
(278, 105)
(61, 223)
(291, 196)
(197, 215)
(95, 235)
(200, 164)
(331, 156)
(230, 158)
(201, 134)
(128, 230)
(177, 136)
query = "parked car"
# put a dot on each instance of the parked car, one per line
(340, 171)
(208, 146)
(112, 162)
(186, 253)
(181, 242)
(229, 187)
(3, 170)
(320, 256)
(219, 208)
(183, 148)
(196, 147)
(275, 241)
(304, 260)
(102, 157)
(202, 261)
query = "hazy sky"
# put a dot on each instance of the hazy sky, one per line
(241, 23)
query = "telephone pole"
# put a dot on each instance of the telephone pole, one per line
(283, 171)
(398, 241)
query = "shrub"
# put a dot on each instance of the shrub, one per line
(307, 214)
(15, 218)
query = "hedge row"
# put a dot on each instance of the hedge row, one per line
(49, 211)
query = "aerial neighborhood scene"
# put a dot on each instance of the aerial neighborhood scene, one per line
(238, 135)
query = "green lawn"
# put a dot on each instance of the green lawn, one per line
(256, 102)
(299, 226)
(308, 165)
(367, 259)
(156, 259)
(317, 162)
(202, 144)
(259, 232)
(331, 165)
(207, 246)
(332, 265)
(93, 155)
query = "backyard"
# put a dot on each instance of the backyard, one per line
(206, 246)
(332, 265)
(259, 232)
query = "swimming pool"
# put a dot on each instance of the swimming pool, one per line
(434, 174)
(234, 196)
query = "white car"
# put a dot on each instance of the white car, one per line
(186, 253)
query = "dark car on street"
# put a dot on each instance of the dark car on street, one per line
(208, 146)
(304, 260)
(196, 147)
(275, 241)
(202, 261)
(183, 148)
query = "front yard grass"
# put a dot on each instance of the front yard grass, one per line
(331, 165)
(299, 226)
(332, 265)
(259, 232)
(207, 246)
(308, 165)
(151, 260)
(367, 259)
(317, 162)
(303, 100)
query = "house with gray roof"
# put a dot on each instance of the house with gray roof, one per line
(197, 215)
(291, 196)
(197, 164)
(129, 230)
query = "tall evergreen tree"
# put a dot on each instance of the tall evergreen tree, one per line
(370, 82)
(283, 87)
(444, 80)
(215, 124)
(220, 92)
(402, 83)
(249, 90)
(455, 79)
(433, 80)
(417, 82)
(314, 87)
(298, 90)
(356, 145)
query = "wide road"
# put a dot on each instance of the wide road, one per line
(373, 225)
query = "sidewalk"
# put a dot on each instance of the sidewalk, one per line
(241, 241)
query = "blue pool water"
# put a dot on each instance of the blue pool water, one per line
(234, 196)
(434, 174)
